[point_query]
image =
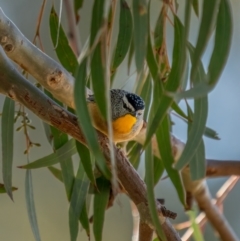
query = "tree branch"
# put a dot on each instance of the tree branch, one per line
(217, 168)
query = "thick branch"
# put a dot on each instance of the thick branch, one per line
(15, 86)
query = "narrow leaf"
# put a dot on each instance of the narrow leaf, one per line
(7, 143)
(98, 73)
(158, 168)
(221, 48)
(161, 106)
(63, 50)
(56, 173)
(84, 117)
(63, 153)
(124, 35)
(84, 220)
(84, 154)
(209, 14)
(198, 163)
(150, 191)
(195, 6)
(97, 19)
(140, 19)
(165, 149)
(59, 140)
(31, 205)
(197, 233)
(77, 6)
(99, 206)
(79, 193)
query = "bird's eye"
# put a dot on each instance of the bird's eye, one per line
(139, 113)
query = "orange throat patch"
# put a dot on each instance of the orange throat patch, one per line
(124, 124)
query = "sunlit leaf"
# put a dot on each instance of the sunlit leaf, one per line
(99, 206)
(7, 143)
(63, 50)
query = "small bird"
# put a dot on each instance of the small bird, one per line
(127, 115)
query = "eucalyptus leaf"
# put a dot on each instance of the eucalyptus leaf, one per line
(7, 143)
(63, 50)
(63, 153)
(99, 206)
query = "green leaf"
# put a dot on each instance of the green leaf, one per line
(98, 73)
(31, 205)
(99, 206)
(56, 173)
(195, 6)
(150, 191)
(158, 168)
(63, 153)
(134, 153)
(198, 125)
(211, 133)
(124, 35)
(97, 19)
(84, 117)
(198, 163)
(84, 220)
(179, 111)
(130, 54)
(63, 50)
(158, 32)
(84, 154)
(7, 143)
(163, 102)
(79, 193)
(3, 190)
(140, 19)
(165, 149)
(209, 15)
(196, 132)
(197, 233)
(59, 140)
(223, 38)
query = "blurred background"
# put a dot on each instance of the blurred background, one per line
(50, 199)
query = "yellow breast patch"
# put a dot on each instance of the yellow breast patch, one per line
(124, 124)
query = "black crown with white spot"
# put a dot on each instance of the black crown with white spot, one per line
(136, 101)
